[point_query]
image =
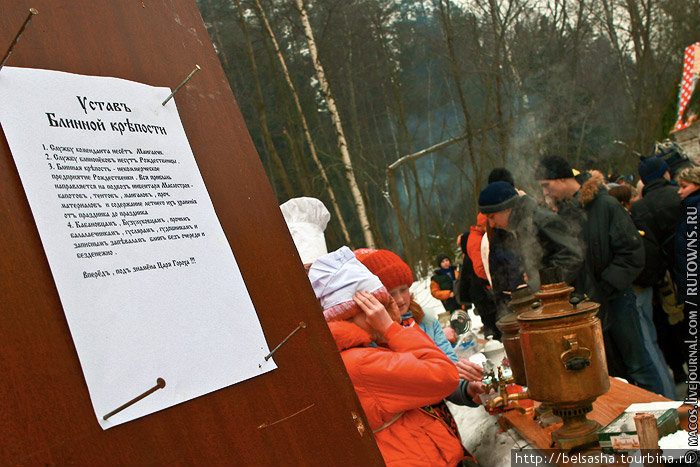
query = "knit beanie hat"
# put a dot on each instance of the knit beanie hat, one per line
(386, 265)
(652, 168)
(336, 277)
(439, 258)
(496, 197)
(553, 168)
(306, 220)
(501, 174)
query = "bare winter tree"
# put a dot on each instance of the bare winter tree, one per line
(639, 31)
(338, 126)
(305, 127)
(435, 93)
(260, 104)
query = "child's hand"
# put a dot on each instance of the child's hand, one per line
(474, 388)
(451, 335)
(469, 370)
(377, 316)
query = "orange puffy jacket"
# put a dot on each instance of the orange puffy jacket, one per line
(408, 373)
(476, 233)
(442, 294)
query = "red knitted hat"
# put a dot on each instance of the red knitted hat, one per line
(390, 269)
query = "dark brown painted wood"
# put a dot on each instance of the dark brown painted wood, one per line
(45, 412)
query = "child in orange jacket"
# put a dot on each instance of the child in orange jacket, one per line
(398, 375)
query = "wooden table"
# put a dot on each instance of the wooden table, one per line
(605, 409)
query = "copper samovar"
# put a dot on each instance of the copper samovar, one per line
(521, 300)
(564, 359)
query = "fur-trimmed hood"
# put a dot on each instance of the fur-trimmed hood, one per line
(591, 187)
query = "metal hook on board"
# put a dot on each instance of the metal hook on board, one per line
(32, 12)
(160, 383)
(301, 325)
(196, 69)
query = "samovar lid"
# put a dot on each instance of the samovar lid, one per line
(542, 313)
(521, 299)
(508, 321)
(556, 304)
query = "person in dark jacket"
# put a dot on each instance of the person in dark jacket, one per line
(614, 257)
(542, 239)
(659, 209)
(503, 262)
(442, 283)
(643, 292)
(657, 215)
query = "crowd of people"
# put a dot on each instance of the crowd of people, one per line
(619, 245)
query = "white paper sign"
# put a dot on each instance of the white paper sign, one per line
(147, 279)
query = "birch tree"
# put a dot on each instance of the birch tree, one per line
(496, 78)
(338, 127)
(305, 127)
(260, 104)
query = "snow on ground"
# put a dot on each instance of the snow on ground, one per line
(480, 431)
(431, 305)
(482, 435)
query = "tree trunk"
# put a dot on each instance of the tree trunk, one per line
(404, 232)
(406, 142)
(219, 44)
(337, 124)
(449, 39)
(302, 118)
(498, 31)
(354, 120)
(295, 146)
(469, 132)
(260, 105)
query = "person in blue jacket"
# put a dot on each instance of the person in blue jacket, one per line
(396, 276)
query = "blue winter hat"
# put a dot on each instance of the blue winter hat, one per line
(652, 168)
(496, 197)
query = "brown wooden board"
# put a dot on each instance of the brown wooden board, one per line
(303, 413)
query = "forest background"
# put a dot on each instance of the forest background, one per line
(394, 112)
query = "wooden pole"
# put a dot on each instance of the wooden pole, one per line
(648, 433)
